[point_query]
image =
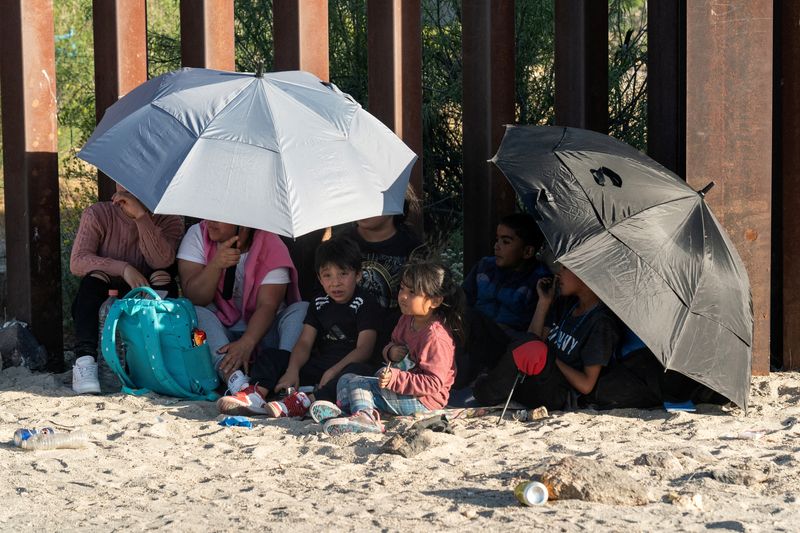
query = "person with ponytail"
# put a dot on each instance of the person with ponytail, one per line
(420, 359)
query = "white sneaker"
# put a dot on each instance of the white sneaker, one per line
(237, 381)
(84, 376)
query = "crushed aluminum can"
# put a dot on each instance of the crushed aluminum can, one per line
(525, 415)
(538, 413)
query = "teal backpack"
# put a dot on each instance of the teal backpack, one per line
(159, 353)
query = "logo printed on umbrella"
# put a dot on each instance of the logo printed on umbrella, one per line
(600, 174)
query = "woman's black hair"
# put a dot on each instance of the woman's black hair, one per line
(245, 235)
(412, 209)
(433, 279)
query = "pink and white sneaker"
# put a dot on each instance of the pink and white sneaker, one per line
(245, 402)
(361, 422)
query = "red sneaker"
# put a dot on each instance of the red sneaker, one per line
(294, 404)
(245, 402)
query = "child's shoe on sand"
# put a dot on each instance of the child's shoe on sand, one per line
(361, 422)
(322, 411)
(294, 404)
(245, 402)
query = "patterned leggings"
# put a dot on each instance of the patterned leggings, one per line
(362, 393)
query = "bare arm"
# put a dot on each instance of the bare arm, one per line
(301, 353)
(270, 298)
(239, 351)
(582, 381)
(198, 281)
(545, 288)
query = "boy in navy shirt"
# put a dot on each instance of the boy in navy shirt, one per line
(579, 336)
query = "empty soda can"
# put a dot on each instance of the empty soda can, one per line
(531, 493)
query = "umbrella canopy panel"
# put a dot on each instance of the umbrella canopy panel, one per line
(283, 152)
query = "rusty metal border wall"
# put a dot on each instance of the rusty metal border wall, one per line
(710, 101)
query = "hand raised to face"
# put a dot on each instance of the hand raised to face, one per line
(227, 254)
(129, 204)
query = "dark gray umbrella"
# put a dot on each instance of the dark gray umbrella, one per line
(645, 242)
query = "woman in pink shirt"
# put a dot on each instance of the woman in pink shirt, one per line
(119, 245)
(420, 359)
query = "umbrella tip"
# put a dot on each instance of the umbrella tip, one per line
(259, 68)
(702, 192)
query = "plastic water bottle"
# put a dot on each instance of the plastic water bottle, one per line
(51, 440)
(23, 434)
(113, 296)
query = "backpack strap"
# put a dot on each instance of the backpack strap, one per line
(108, 347)
(146, 290)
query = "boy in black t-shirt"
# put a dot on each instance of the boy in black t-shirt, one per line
(338, 337)
(581, 335)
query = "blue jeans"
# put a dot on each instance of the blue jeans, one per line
(283, 333)
(362, 393)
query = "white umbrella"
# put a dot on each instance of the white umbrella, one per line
(283, 152)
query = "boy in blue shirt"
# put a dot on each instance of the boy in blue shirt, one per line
(501, 295)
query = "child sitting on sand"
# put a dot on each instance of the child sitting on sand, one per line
(501, 295)
(422, 345)
(338, 337)
(581, 336)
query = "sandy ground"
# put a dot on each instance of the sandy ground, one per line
(156, 463)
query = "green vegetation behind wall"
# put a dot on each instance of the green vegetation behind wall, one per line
(441, 114)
